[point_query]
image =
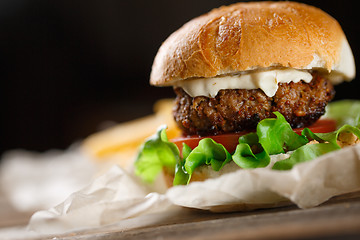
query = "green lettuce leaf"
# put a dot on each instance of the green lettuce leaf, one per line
(207, 152)
(181, 176)
(344, 112)
(245, 158)
(251, 138)
(157, 152)
(276, 135)
(273, 136)
(330, 137)
(303, 154)
(328, 143)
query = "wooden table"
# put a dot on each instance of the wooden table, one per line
(339, 218)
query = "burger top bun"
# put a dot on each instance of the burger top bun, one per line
(254, 36)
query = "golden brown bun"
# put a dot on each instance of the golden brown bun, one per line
(246, 36)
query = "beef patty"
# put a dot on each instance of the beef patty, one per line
(234, 110)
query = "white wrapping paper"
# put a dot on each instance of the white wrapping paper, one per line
(307, 185)
(110, 198)
(117, 197)
(34, 181)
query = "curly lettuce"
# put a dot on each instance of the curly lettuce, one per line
(155, 154)
(344, 112)
(327, 143)
(272, 136)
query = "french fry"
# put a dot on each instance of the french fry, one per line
(124, 139)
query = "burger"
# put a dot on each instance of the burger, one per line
(251, 81)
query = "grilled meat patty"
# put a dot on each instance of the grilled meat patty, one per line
(234, 110)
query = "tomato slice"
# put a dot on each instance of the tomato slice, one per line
(320, 126)
(230, 140)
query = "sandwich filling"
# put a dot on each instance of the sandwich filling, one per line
(268, 81)
(233, 110)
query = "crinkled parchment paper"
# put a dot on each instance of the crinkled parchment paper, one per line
(33, 181)
(119, 198)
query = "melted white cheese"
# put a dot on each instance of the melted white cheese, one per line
(267, 81)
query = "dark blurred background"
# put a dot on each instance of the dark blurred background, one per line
(68, 66)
